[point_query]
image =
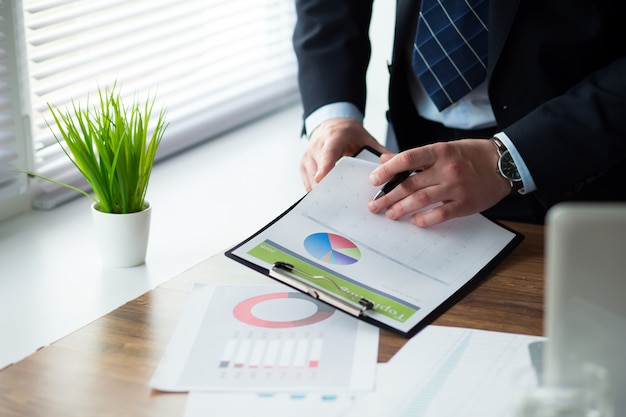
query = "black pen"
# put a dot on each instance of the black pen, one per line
(393, 183)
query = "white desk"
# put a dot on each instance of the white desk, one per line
(51, 278)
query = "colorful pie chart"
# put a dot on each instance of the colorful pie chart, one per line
(332, 248)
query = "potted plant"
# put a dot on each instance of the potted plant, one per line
(111, 146)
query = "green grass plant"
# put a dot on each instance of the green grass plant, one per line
(111, 147)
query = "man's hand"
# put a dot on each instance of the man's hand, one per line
(461, 175)
(330, 141)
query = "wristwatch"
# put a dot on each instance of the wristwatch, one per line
(506, 166)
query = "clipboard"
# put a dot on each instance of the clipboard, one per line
(388, 273)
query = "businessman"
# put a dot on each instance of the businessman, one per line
(543, 119)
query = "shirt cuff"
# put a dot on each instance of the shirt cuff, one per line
(340, 109)
(527, 179)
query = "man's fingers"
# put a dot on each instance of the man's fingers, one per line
(411, 160)
(434, 216)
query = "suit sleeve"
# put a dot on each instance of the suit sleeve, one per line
(575, 143)
(557, 87)
(332, 45)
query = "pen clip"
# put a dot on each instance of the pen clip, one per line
(283, 271)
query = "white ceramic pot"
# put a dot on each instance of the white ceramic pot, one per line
(122, 238)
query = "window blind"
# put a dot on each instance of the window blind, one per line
(14, 150)
(213, 64)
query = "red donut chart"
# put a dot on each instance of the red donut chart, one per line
(243, 311)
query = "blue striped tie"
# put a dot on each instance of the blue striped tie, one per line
(450, 49)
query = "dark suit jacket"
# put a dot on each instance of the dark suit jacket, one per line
(556, 80)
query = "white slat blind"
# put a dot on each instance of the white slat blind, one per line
(14, 150)
(213, 64)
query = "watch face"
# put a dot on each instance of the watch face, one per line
(508, 169)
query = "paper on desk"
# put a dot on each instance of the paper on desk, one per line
(269, 339)
(449, 372)
(201, 404)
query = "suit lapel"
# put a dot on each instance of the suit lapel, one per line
(501, 16)
(404, 10)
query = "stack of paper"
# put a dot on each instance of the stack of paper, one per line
(243, 349)
(271, 351)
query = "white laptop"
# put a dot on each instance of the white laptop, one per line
(586, 294)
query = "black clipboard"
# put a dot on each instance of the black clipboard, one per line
(321, 259)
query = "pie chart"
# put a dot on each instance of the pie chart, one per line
(332, 248)
(294, 315)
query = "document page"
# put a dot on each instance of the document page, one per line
(266, 339)
(405, 271)
(268, 404)
(451, 372)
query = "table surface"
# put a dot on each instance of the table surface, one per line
(103, 369)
